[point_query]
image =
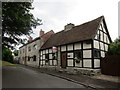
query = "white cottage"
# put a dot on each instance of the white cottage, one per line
(79, 46)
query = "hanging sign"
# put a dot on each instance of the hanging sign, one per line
(54, 49)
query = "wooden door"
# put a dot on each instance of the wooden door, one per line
(63, 60)
(26, 60)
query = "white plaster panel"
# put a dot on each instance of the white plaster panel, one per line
(54, 62)
(77, 46)
(96, 44)
(106, 47)
(50, 50)
(43, 56)
(96, 63)
(40, 62)
(101, 36)
(108, 41)
(103, 26)
(96, 37)
(102, 54)
(69, 55)
(86, 53)
(86, 45)
(63, 48)
(70, 47)
(100, 27)
(105, 38)
(47, 51)
(43, 51)
(101, 46)
(50, 62)
(70, 62)
(43, 62)
(40, 52)
(50, 56)
(87, 63)
(78, 64)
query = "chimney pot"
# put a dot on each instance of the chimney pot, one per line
(41, 32)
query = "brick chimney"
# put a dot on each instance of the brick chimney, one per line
(41, 32)
(68, 26)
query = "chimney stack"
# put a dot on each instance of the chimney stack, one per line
(68, 26)
(41, 32)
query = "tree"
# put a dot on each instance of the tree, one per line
(7, 54)
(17, 21)
(16, 52)
(114, 48)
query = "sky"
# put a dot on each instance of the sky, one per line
(55, 14)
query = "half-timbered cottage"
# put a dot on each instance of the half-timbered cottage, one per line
(80, 46)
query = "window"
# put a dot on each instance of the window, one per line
(28, 58)
(35, 47)
(47, 56)
(96, 53)
(54, 56)
(29, 48)
(77, 54)
(34, 58)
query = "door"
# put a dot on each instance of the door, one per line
(25, 60)
(63, 60)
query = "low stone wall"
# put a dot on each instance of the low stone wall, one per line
(73, 70)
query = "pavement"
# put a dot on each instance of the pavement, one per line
(94, 82)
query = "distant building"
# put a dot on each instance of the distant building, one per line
(29, 52)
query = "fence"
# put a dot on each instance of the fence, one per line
(110, 65)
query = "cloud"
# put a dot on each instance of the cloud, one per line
(57, 13)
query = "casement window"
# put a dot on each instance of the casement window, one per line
(78, 54)
(29, 48)
(28, 58)
(54, 56)
(47, 56)
(34, 58)
(96, 53)
(35, 46)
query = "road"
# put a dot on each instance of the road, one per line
(22, 77)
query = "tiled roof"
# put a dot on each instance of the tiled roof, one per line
(81, 32)
(46, 34)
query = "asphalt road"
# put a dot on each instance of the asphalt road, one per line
(22, 77)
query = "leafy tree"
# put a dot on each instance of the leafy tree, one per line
(114, 48)
(17, 21)
(7, 54)
(16, 52)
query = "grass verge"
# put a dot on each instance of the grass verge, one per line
(4, 63)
